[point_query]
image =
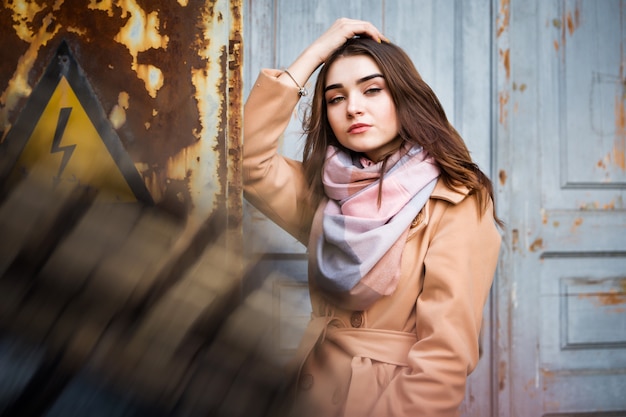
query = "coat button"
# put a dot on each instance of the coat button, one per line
(356, 319)
(306, 382)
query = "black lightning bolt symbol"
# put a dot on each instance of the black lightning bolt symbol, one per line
(64, 116)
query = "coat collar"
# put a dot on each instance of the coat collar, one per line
(453, 195)
(441, 192)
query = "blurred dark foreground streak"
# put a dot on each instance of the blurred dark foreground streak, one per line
(136, 310)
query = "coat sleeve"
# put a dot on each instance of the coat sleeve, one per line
(458, 272)
(273, 183)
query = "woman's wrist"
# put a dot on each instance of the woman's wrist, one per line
(304, 66)
(302, 91)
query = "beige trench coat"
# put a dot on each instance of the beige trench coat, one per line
(410, 353)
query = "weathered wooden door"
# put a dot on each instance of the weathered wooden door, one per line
(561, 138)
(537, 90)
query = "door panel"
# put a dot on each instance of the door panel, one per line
(562, 287)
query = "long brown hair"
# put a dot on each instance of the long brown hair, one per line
(421, 118)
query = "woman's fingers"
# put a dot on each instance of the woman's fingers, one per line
(352, 27)
(342, 30)
(336, 35)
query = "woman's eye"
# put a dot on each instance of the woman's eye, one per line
(335, 99)
(373, 90)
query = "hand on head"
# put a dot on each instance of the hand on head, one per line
(340, 31)
(318, 52)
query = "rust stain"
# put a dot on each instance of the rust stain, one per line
(521, 87)
(577, 222)
(536, 245)
(556, 223)
(235, 114)
(557, 24)
(514, 238)
(142, 32)
(34, 26)
(547, 377)
(589, 206)
(503, 98)
(502, 177)
(572, 22)
(504, 16)
(544, 216)
(609, 206)
(210, 95)
(117, 117)
(529, 388)
(612, 297)
(506, 62)
(502, 375)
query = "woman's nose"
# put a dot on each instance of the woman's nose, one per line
(355, 106)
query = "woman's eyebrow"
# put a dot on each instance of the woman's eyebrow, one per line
(359, 81)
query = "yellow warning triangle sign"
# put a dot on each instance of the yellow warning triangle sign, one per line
(66, 144)
(64, 134)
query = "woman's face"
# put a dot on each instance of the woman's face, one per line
(359, 107)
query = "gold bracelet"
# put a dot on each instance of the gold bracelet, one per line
(301, 90)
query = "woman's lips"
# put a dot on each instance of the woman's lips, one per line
(358, 128)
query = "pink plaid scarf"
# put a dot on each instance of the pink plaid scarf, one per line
(355, 246)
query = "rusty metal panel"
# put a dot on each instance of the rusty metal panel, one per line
(141, 100)
(164, 77)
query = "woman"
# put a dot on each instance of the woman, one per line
(398, 220)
